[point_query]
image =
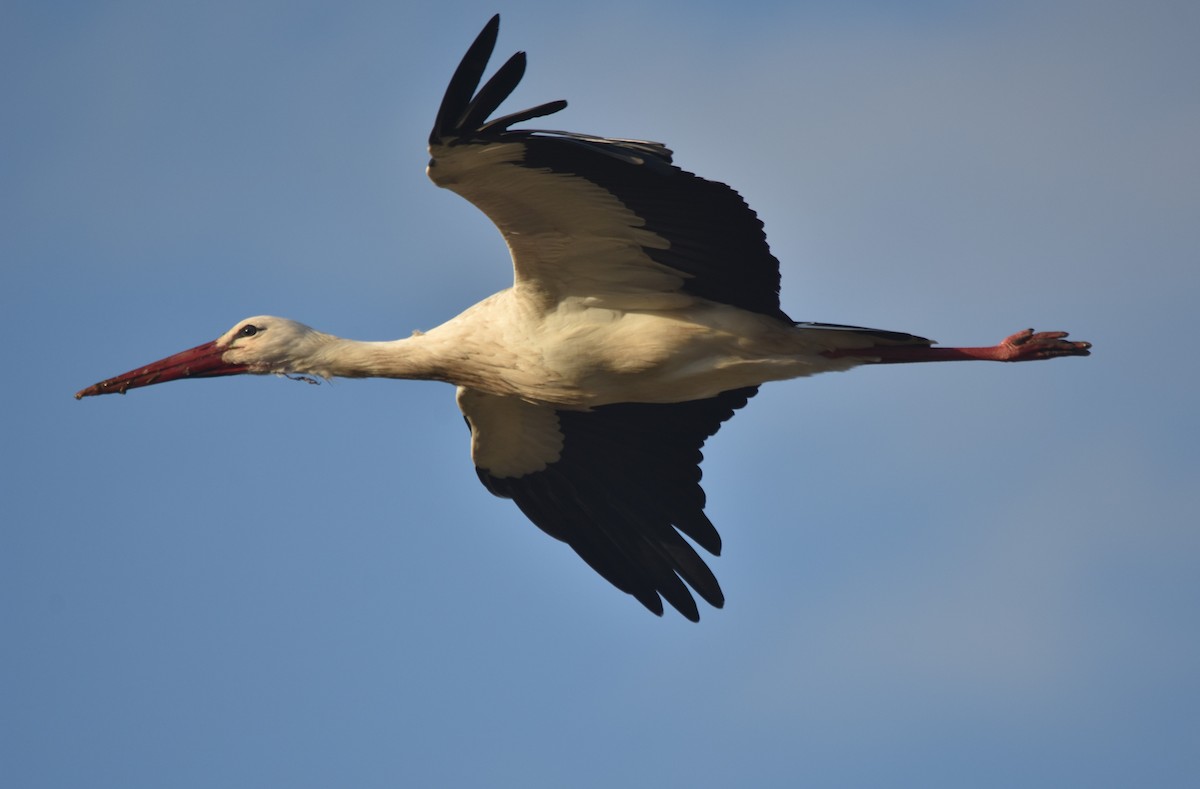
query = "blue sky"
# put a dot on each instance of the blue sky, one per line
(949, 575)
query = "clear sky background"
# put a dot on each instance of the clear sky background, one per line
(938, 576)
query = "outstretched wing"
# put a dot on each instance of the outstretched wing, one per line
(595, 217)
(620, 484)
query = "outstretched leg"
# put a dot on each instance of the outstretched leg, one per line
(1024, 346)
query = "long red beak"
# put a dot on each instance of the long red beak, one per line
(203, 361)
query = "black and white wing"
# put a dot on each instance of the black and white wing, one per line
(618, 484)
(591, 216)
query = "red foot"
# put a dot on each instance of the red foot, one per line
(1026, 346)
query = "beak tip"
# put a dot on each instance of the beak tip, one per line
(93, 390)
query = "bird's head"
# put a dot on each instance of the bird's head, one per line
(262, 344)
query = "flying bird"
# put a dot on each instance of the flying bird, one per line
(644, 312)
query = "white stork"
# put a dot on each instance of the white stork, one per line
(644, 311)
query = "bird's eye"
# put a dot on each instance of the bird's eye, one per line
(249, 330)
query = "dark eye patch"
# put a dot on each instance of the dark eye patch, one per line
(249, 330)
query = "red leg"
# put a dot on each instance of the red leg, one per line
(1024, 346)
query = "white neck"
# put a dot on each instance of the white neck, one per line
(411, 358)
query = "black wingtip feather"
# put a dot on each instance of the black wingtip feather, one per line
(493, 92)
(466, 78)
(464, 112)
(697, 526)
(502, 123)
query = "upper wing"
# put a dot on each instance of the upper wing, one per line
(591, 216)
(615, 483)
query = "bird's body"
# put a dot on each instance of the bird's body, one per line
(573, 356)
(644, 311)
